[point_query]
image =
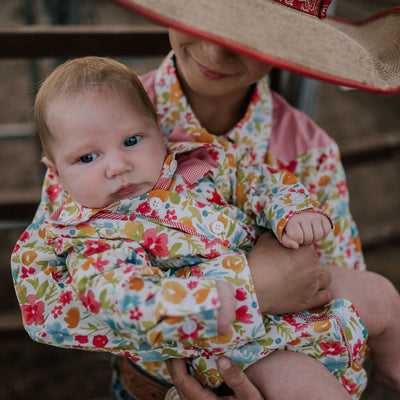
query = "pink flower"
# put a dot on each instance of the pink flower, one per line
(26, 272)
(100, 341)
(135, 313)
(143, 208)
(95, 247)
(56, 311)
(196, 272)
(90, 302)
(171, 214)
(241, 294)
(65, 298)
(332, 349)
(288, 167)
(24, 236)
(322, 159)
(341, 188)
(157, 244)
(99, 264)
(243, 316)
(192, 285)
(81, 339)
(34, 311)
(216, 198)
(52, 192)
(349, 386)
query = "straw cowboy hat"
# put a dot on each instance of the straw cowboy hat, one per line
(294, 35)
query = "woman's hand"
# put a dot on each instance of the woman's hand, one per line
(189, 388)
(287, 280)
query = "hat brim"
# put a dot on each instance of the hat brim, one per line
(363, 55)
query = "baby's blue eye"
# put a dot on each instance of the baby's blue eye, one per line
(131, 141)
(87, 158)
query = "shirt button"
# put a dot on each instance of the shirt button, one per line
(189, 327)
(217, 227)
(173, 166)
(155, 203)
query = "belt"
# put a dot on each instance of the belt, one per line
(139, 384)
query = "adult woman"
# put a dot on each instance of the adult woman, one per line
(219, 90)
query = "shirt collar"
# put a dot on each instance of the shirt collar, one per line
(253, 130)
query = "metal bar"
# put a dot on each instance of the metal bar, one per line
(81, 40)
(369, 150)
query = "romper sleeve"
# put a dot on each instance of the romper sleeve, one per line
(80, 295)
(271, 198)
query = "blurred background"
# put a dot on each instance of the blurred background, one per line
(355, 119)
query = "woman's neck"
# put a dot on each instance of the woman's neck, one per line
(219, 115)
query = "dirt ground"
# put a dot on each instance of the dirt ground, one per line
(35, 371)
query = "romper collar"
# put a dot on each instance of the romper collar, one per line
(191, 160)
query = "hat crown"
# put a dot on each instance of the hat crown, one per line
(317, 8)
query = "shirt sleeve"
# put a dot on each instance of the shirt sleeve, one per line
(314, 158)
(327, 182)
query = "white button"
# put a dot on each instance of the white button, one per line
(217, 227)
(155, 203)
(189, 327)
(173, 166)
(297, 198)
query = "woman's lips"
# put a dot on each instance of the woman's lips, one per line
(210, 73)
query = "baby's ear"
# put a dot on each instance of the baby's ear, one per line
(50, 165)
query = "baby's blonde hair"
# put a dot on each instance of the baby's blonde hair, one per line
(74, 77)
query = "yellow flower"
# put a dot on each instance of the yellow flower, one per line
(176, 93)
(28, 257)
(324, 180)
(130, 228)
(73, 317)
(233, 262)
(90, 230)
(174, 292)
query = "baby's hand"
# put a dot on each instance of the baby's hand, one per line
(305, 228)
(227, 310)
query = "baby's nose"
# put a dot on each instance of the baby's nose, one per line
(117, 166)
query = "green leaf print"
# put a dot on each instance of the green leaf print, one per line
(236, 281)
(103, 299)
(22, 296)
(174, 198)
(42, 289)
(147, 324)
(33, 282)
(202, 365)
(196, 213)
(174, 248)
(348, 333)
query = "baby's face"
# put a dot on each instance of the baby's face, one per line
(106, 146)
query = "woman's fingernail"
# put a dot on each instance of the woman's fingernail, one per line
(224, 363)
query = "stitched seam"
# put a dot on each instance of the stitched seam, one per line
(342, 329)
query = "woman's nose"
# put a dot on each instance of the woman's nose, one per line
(218, 53)
(117, 165)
